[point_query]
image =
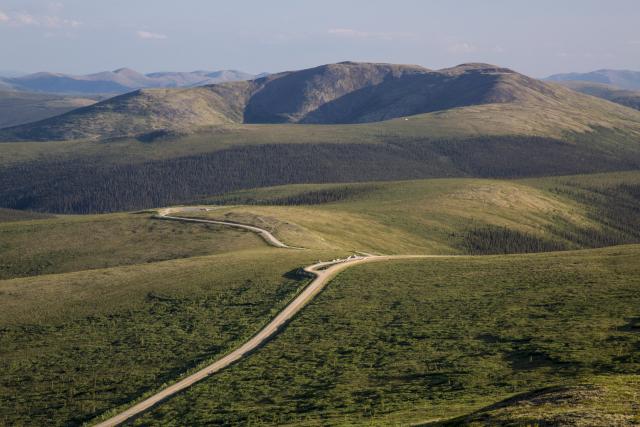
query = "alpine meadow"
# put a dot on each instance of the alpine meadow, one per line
(359, 243)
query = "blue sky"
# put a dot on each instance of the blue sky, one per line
(535, 37)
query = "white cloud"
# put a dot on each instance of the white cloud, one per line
(149, 35)
(347, 32)
(356, 34)
(462, 48)
(57, 22)
(23, 19)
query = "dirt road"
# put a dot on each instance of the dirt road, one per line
(266, 235)
(323, 272)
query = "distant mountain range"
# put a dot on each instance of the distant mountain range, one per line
(623, 79)
(116, 82)
(619, 86)
(628, 98)
(340, 93)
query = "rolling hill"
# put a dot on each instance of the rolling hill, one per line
(333, 94)
(330, 94)
(23, 107)
(118, 81)
(347, 122)
(628, 98)
(421, 342)
(139, 112)
(103, 309)
(624, 79)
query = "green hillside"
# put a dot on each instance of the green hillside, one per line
(72, 243)
(78, 344)
(141, 112)
(105, 177)
(449, 336)
(603, 401)
(438, 216)
(447, 215)
(17, 108)
(7, 215)
(416, 341)
(158, 147)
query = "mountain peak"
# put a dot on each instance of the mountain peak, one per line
(117, 81)
(126, 71)
(328, 94)
(477, 67)
(622, 79)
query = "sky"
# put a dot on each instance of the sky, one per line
(537, 38)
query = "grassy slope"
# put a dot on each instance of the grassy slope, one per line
(414, 341)
(561, 122)
(109, 176)
(433, 215)
(486, 130)
(8, 215)
(409, 217)
(60, 325)
(77, 344)
(23, 107)
(73, 243)
(426, 216)
(603, 401)
(138, 112)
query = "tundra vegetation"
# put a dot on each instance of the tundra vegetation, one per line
(530, 189)
(86, 332)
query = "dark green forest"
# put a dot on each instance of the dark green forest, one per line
(616, 207)
(89, 185)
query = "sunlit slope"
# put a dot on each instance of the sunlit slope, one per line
(402, 217)
(75, 345)
(31, 246)
(410, 342)
(80, 343)
(137, 113)
(601, 401)
(446, 215)
(438, 216)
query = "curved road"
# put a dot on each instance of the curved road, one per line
(266, 235)
(323, 272)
